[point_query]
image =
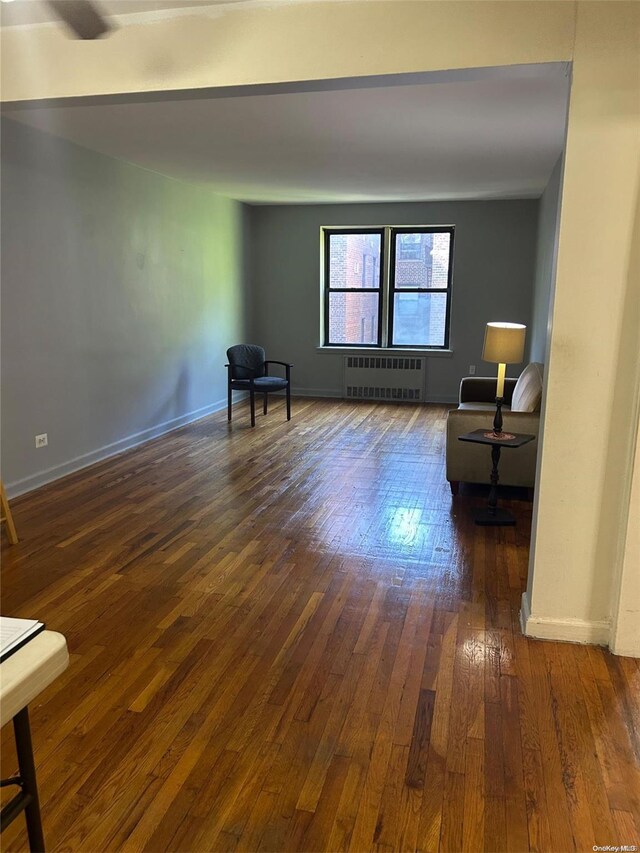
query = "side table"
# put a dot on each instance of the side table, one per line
(22, 677)
(493, 515)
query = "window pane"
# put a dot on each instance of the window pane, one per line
(422, 260)
(354, 260)
(419, 319)
(353, 318)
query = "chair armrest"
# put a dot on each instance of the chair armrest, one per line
(284, 364)
(477, 389)
(482, 389)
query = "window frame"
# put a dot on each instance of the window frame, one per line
(387, 289)
(392, 289)
(328, 290)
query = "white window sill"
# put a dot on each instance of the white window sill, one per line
(388, 351)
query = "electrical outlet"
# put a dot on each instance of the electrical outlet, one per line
(42, 440)
(472, 370)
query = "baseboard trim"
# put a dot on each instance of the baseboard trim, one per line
(622, 651)
(316, 392)
(562, 630)
(525, 613)
(337, 393)
(442, 399)
(49, 475)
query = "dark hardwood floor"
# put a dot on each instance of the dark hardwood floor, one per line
(292, 638)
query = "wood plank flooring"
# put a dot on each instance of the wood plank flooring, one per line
(292, 638)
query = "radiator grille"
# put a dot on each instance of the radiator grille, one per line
(394, 378)
(364, 362)
(366, 392)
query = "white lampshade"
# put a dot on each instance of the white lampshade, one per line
(504, 343)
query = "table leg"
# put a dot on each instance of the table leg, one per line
(493, 492)
(493, 516)
(28, 775)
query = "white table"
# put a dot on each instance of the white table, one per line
(23, 676)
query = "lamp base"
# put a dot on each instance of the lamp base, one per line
(497, 420)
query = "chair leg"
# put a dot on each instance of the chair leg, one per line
(7, 517)
(288, 402)
(264, 405)
(252, 402)
(455, 486)
(229, 403)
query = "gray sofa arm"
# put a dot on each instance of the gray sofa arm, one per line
(471, 463)
(482, 389)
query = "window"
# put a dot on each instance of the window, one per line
(387, 287)
(353, 271)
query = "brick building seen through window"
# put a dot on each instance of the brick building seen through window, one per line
(410, 307)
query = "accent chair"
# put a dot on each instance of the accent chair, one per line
(248, 370)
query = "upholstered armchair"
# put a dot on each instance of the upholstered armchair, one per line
(248, 370)
(471, 463)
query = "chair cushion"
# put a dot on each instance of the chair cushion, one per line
(270, 383)
(262, 383)
(246, 360)
(527, 395)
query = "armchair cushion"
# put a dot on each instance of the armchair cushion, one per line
(527, 394)
(481, 407)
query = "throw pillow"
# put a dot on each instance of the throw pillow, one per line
(527, 394)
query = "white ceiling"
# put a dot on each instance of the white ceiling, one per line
(494, 133)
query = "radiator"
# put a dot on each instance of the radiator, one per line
(395, 378)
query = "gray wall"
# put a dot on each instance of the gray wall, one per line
(121, 290)
(545, 265)
(495, 247)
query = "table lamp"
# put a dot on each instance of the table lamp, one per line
(503, 345)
